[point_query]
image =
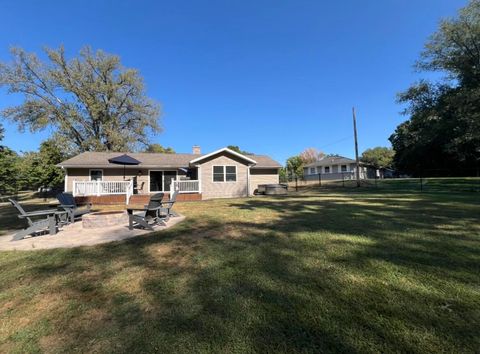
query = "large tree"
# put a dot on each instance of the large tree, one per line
(310, 155)
(91, 101)
(442, 134)
(158, 148)
(236, 148)
(380, 157)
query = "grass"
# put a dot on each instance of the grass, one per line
(317, 271)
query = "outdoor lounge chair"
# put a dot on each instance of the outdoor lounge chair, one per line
(67, 203)
(50, 221)
(149, 216)
(166, 207)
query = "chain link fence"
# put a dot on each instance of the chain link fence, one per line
(437, 180)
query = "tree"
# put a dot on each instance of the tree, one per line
(9, 170)
(379, 157)
(92, 100)
(310, 155)
(38, 169)
(295, 166)
(283, 175)
(50, 154)
(237, 149)
(443, 129)
(159, 149)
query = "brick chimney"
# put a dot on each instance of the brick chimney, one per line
(196, 150)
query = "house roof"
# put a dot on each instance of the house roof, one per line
(154, 160)
(227, 150)
(331, 160)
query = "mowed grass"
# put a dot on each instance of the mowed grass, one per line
(317, 271)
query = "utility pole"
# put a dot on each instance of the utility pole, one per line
(356, 146)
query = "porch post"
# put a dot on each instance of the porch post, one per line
(199, 178)
(65, 186)
(248, 181)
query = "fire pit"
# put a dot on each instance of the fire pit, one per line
(104, 219)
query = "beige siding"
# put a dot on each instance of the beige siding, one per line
(212, 189)
(262, 176)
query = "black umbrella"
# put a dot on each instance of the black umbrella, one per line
(124, 160)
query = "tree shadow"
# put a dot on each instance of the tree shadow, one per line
(293, 274)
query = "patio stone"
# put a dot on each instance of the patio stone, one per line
(74, 235)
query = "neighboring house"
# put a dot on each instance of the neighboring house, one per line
(220, 174)
(336, 167)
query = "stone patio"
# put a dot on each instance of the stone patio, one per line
(74, 235)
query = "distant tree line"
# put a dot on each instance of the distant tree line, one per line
(31, 170)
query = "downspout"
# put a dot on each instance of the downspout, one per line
(248, 179)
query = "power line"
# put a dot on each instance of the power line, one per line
(336, 142)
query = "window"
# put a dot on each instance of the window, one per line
(344, 168)
(312, 170)
(96, 175)
(218, 174)
(327, 169)
(231, 173)
(224, 173)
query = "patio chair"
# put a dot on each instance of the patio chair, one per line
(166, 207)
(67, 203)
(50, 221)
(149, 216)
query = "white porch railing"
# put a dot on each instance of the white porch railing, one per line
(187, 186)
(98, 188)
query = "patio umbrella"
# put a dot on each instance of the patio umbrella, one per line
(124, 160)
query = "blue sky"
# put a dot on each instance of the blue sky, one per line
(273, 77)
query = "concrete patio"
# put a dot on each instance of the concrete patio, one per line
(74, 235)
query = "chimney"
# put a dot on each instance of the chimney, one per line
(196, 150)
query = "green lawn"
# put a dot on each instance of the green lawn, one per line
(319, 271)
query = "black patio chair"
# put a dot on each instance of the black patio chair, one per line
(68, 204)
(166, 207)
(149, 216)
(50, 221)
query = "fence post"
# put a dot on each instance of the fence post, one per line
(421, 182)
(296, 184)
(319, 179)
(98, 187)
(343, 180)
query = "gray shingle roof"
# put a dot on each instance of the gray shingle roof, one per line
(151, 160)
(329, 160)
